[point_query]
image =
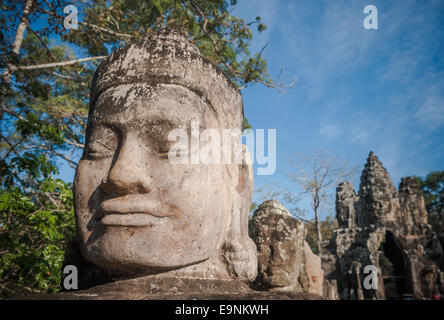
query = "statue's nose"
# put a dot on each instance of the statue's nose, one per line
(130, 171)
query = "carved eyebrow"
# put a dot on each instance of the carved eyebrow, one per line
(202, 96)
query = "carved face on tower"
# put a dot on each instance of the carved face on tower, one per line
(135, 209)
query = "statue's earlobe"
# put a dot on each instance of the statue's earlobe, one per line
(239, 250)
(245, 188)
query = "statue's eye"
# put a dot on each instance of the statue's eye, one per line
(102, 144)
(156, 134)
(98, 152)
(160, 146)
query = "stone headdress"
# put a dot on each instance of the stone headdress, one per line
(168, 57)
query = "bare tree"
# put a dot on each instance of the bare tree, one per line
(318, 175)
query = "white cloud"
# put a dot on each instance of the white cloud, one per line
(330, 130)
(359, 137)
(431, 112)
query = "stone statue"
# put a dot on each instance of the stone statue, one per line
(138, 213)
(346, 200)
(285, 260)
(280, 241)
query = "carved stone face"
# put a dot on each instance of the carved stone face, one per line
(133, 207)
(280, 242)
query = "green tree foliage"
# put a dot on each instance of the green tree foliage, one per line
(33, 234)
(433, 190)
(45, 77)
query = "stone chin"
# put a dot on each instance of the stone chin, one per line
(146, 248)
(123, 255)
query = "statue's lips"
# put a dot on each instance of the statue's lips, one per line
(129, 220)
(132, 211)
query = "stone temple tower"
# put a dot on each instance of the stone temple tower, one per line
(382, 220)
(378, 198)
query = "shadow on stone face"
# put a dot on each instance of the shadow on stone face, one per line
(92, 203)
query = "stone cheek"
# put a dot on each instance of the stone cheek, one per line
(280, 242)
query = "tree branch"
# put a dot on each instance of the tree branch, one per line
(109, 31)
(59, 64)
(274, 85)
(79, 145)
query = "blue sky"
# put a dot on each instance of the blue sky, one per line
(358, 90)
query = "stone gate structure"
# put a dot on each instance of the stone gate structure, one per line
(380, 220)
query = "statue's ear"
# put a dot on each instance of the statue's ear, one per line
(239, 250)
(245, 186)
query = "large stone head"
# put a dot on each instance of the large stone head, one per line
(135, 209)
